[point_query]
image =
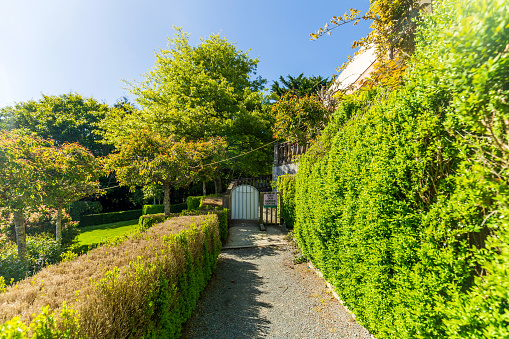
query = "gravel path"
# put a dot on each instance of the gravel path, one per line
(260, 293)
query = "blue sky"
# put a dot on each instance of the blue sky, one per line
(88, 46)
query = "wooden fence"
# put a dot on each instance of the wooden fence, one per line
(287, 152)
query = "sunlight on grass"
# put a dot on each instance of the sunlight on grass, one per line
(99, 233)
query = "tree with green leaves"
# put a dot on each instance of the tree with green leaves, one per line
(71, 173)
(299, 86)
(66, 118)
(199, 92)
(299, 119)
(21, 179)
(148, 158)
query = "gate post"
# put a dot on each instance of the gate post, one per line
(261, 209)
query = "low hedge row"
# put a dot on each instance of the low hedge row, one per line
(196, 202)
(147, 221)
(154, 209)
(193, 203)
(146, 286)
(105, 218)
(286, 185)
(403, 201)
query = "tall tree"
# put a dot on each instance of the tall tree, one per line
(65, 118)
(71, 173)
(148, 158)
(299, 86)
(198, 92)
(299, 119)
(21, 179)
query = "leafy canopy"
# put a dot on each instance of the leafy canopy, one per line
(149, 158)
(299, 119)
(299, 86)
(66, 118)
(199, 92)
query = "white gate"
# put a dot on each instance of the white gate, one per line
(245, 203)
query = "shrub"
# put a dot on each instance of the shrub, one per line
(79, 208)
(105, 218)
(152, 209)
(42, 251)
(147, 286)
(402, 202)
(147, 221)
(286, 189)
(193, 203)
(155, 209)
(42, 220)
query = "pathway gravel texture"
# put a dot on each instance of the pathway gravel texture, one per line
(258, 292)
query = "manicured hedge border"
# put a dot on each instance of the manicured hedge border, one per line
(105, 218)
(150, 297)
(154, 209)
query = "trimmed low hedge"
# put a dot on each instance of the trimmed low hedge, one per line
(286, 187)
(193, 203)
(147, 221)
(196, 202)
(146, 286)
(105, 218)
(154, 209)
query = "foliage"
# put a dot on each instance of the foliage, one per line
(393, 25)
(39, 220)
(146, 286)
(20, 177)
(68, 118)
(45, 325)
(300, 86)
(41, 251)
(148, 220)
(198, 93)
(154, 209)
(193, 203)
(149, 158)
(82, 207)
(71, 173)
(402, 201)
(104, 218)
(286, 185)
(299, 119)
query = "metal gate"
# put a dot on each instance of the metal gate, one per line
(245, 203)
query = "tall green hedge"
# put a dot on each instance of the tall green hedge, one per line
(286, 187)
(402, 203)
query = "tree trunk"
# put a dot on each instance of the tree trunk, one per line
(166, 201)
(21, 238)
(204, 188)
(217, 182)
(58, 230)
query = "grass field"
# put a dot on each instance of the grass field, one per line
(99, 233)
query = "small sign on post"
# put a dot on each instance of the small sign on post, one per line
(270, 200)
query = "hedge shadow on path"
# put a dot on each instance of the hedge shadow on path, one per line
(229, 306)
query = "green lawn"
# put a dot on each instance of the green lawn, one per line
(99, 233)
